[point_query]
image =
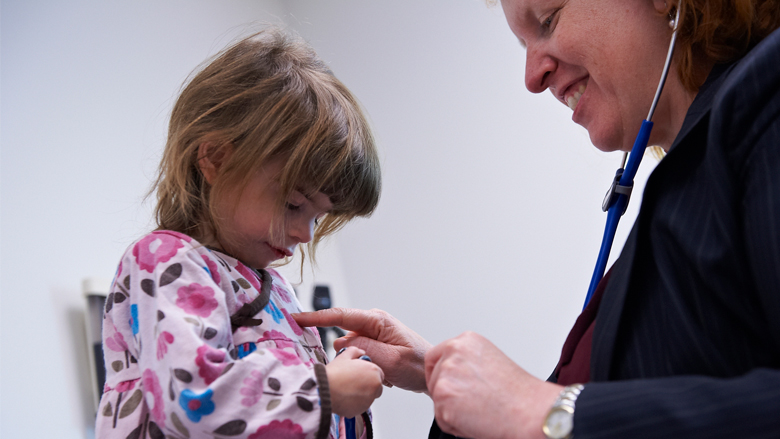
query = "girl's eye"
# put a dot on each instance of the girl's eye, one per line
(293, 207)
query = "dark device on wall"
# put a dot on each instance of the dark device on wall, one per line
(94, 326)
(321, 300)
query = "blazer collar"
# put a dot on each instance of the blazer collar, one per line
(702, 103)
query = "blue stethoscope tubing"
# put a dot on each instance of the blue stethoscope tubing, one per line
(616, 201)
(349, 426)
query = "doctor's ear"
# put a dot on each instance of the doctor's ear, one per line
(664, 6)
(211, 156)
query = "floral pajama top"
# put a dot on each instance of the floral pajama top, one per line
(175, 368)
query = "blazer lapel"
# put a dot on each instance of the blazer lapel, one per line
(611, 308)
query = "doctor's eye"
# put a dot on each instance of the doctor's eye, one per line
(549, 22)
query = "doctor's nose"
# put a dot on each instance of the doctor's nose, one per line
(539, 66)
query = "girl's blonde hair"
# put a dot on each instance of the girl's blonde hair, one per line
(268, 96)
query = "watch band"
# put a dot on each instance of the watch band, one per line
(559, 422)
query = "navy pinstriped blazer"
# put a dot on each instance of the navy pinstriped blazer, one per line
(687, 337)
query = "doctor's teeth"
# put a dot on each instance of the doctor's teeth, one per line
(571, 102)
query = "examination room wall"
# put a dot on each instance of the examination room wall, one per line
(490, 213)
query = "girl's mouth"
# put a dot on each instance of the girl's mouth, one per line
(280, 253)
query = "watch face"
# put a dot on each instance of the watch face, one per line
(559, 424)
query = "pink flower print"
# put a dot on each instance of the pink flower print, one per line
(287, 358)
(163, 341)
(181, 236)
(253, 388)
(154, 249)
(282, 292)
(293, 324)
(124, 386)
(243, 299)
(154, 396)
(213, 268)
(278, 338)
(249, 275)
(116, 342)
(211, 363)
(314, 333)
(279, 430)
(196, 299)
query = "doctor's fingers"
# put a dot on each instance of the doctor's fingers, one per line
(322, 318)
(452, 353)
(368, 323)
(353, 339)
(442, 372)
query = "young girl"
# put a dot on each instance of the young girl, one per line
(266, 150)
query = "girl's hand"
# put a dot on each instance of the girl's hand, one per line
(354, 383)
(398, 350)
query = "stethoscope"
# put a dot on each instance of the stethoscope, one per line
(616, 200)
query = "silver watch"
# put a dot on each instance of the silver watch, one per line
(559, 422)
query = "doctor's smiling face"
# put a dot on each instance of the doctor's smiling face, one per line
(601, 58)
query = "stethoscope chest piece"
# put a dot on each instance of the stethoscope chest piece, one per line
(614, 190)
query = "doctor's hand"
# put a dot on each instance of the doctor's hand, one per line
(398, 350)
(478, 391)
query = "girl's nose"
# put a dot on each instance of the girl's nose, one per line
(302, 230)
(538, 68)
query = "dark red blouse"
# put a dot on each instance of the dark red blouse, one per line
(574, 365)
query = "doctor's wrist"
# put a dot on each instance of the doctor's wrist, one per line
(559, 422)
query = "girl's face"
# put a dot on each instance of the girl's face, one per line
(601, 58)
(247, 219)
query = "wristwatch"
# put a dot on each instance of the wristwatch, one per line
(559, 422)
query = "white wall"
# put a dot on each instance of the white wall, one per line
(489, 218)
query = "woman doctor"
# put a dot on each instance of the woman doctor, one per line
(682, 336)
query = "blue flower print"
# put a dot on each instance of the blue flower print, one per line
(246, 349)
(134, 318)
(274, 311)
(196, 406)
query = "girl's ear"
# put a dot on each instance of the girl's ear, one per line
(211, 156)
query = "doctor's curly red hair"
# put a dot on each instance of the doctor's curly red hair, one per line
(719, 31)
